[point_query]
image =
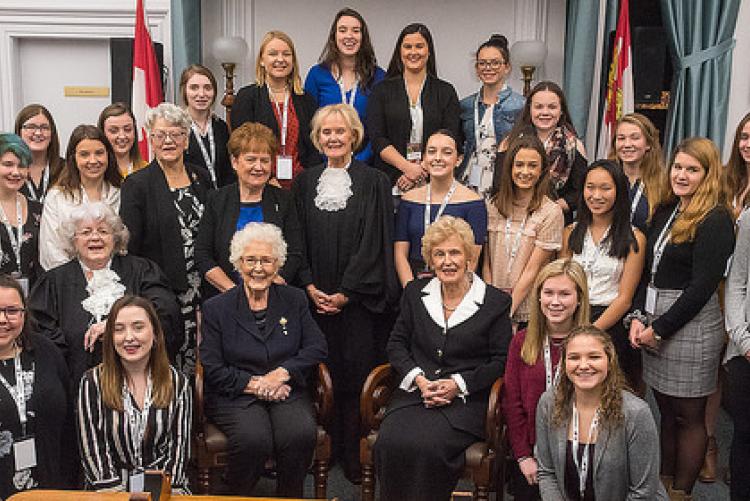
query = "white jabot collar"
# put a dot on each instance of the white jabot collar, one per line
(433, 302)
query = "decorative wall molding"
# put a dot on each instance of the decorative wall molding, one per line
(81, 20)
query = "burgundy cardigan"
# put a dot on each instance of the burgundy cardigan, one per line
(523, 386)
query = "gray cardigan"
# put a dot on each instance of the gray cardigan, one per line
(626, 459)
(737, 300)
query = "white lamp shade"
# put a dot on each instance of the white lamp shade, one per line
(528, 53)
(229, 49)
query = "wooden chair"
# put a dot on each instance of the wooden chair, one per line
(210, 444)
(484, 460)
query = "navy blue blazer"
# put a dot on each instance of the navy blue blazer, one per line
(233, 350)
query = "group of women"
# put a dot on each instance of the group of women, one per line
(113, 262)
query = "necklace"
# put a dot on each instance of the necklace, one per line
(449, 309)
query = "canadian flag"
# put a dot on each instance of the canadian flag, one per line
(620, 94)
(147, 92)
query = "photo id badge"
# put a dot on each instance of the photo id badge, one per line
(284, 167)
(414, 152)
(651, 295)
(24, 451)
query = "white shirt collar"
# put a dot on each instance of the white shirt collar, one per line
(433, 302)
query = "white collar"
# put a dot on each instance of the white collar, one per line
(433, 302)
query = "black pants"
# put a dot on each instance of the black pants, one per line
(738, 397)
(519, 487)
(285, 431)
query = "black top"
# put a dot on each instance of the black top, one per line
(46, 409)
(233, 349)
(30, 266)
(696, 267)
(572, 489)
(57, 313)
(389, 121)
(349, 250)
(147, 208)
(219, 224)
(252, 104)
(193, 155)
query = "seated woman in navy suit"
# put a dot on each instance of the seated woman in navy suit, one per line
(259, 344)
(448, 346)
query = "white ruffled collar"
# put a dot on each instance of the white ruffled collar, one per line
(334, 189)
(104, 289)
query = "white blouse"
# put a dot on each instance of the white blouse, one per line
(602, 270)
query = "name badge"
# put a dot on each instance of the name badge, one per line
(136, 482)
(651, 295)
(475, 175)
(284, 167)
(414, 152)
(24, 451)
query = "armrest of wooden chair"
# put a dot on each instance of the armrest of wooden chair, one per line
(323, 395)
(494, 421)
(198, 417)
(376, 393)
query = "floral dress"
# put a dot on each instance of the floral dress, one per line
(29, 245)
(189, 212)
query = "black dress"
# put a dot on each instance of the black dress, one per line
(47, 408)
(222, 166)
(30, 267)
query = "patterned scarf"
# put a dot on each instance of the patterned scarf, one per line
(561, 151)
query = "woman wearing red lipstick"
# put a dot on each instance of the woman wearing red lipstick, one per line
(134, 409)
(677, 319)
(19, 238)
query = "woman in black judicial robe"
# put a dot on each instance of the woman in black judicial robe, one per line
(346, 216)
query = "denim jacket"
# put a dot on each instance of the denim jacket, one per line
(507, 109)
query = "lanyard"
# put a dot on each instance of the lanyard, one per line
(42, 187)
(16, 239)
(583, 466)
(550, 380)
(352, 95)
(661, 243)
(588, 263)
(511, 252)
(477, 123)
(138, 421)
(209, 157)
(428, 203)
(284, 117)
(18, 391)
(636, 199)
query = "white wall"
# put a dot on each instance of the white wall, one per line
(739, 96)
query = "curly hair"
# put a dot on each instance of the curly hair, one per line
(610, 406)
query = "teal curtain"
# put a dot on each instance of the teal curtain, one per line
(701, 38)
(186, 38)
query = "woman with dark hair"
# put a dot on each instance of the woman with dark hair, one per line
(35, 125)
(278, 101)
(546, 115)
(676, 318)
(738, 166)
(441, 195)
(33, 400)
(19, 242)
(408, 107)
(611, 252)
(208, 133)
(134, 409)
(524, 228)
(347, 70)
(118, 124)
(488, 115)
(595, 439)
(90, 175)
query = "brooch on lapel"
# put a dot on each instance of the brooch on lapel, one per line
(283, 321)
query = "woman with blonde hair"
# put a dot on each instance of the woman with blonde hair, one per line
(559, 303)
(278, 100)
(607, 434)
(677, 319)
(635, 146)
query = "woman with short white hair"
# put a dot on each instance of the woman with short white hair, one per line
(162, 206)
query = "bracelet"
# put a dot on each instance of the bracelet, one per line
(635, 315)
(524, 458)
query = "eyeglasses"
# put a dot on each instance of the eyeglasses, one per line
(491, 63)
(160, 136)
(12, 312)
(89, 232)
(252, 261)
(34, 128)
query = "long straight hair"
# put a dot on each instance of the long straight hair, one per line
(620, 237)
(116, 110)
(53, 151)
(396, 66)
(503, 194)
(111, 369)
(736, 168)
(69, 180)
(294, 81)
(365, 60)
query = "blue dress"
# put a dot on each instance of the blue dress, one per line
(321, 84)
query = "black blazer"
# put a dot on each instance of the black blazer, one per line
(475, 348)
(233, 349)
(219, 224)
(252, 104)
(147, 209)
(389, 121)
(193, 155)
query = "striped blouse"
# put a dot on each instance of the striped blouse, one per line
(106, 442)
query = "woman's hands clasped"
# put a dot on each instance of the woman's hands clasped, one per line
(271, 387)
(436, 393)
